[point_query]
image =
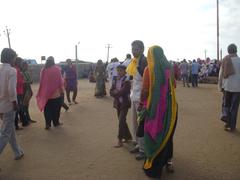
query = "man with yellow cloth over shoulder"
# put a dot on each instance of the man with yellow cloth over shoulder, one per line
(135, 69)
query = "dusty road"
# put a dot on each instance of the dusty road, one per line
(82, 149)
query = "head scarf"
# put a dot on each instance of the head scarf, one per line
(161, 105)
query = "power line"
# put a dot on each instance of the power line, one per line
(76, 58)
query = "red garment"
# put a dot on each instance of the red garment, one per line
(50, 87)
(20, 82)
(176, 71)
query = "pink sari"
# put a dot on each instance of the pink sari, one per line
(50, 81)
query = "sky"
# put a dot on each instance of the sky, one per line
(184, 29)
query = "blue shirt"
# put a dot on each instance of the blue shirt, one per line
(195, 68)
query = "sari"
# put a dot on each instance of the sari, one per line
(159, 111)
(50, 82)
(100, 74)
(71, 78)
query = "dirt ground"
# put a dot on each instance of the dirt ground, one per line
(82, 149)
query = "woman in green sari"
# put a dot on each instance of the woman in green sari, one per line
(159, 112)
(100, 74)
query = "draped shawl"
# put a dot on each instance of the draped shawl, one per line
(160, 105)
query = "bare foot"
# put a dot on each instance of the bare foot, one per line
(119, 144)
(75, 102)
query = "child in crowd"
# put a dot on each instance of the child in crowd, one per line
(120, 90)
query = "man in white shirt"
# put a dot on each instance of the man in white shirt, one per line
(112, 70)
(8, 102)
(231, 86)
(137, 66)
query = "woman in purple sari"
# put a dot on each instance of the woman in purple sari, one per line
(70, 76)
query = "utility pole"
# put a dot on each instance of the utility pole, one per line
(205, 54)
(108, 47)
(217, 30)
(76, 58)
(7, 32)
(221, 54)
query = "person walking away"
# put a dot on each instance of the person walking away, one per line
(27, 93)
(176, 70)
(100, 74)
(8, 102)
(231, 86)
(120, 90)
(49, 93)
(184, 72)
(195, 70)
(135, 70)
(159, 107)
(70, 76)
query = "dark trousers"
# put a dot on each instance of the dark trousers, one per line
(52, 111)
(26, 112)
(185, 79)
(123, 130)
(232, 100)
(224, 109)
(194, 80)
(74, 95)
(20, 115)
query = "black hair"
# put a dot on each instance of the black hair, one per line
(232, 49)
(139, 44)
(18, 62)
(8, 55)
(128, 56)
(49, 62)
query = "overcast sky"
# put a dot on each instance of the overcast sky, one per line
(183, 28)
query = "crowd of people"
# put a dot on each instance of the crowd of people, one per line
(144, 84)
(196, 71)
(16, 93)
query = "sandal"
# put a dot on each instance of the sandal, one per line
(228, 129)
